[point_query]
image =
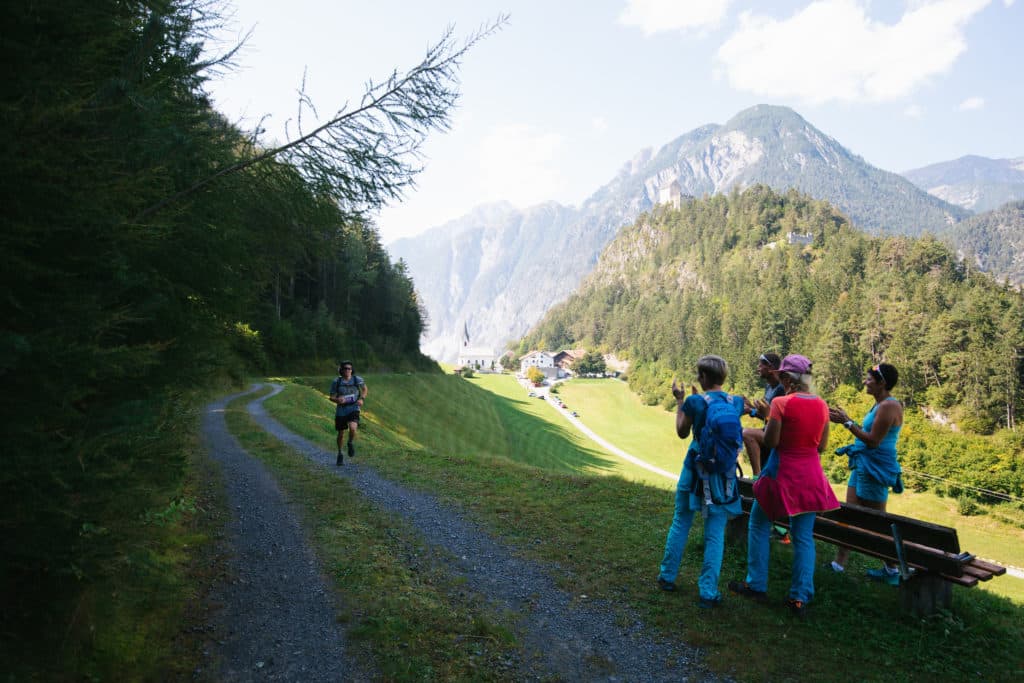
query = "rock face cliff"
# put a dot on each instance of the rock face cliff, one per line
(499, 268)
(972, 182)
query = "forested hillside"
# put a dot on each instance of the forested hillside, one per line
(719, 275)
(995, 241)
(973, 182)
(149, 249)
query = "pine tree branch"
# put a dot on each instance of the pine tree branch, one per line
(357, 155)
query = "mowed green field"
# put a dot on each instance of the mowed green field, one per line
(488, 415)
(608, 407)
(653, 421)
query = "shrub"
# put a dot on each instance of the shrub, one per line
(966, 507)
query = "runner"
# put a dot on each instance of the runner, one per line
(347, 391)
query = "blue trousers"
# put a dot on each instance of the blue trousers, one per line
(801, 533)
(714, 545)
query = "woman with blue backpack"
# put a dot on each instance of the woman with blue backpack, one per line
(792, 485)
(707, 482)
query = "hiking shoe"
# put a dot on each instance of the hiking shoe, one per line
(743, 588)
(797, 607)
(664, 585)
(351, 450)
(709, 603)
(836, 567)
(884, 575)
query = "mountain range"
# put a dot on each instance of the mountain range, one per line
(974, 183)
(498, 269)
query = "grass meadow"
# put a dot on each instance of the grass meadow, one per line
(514, 465)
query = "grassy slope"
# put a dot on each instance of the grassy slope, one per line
(607, 534)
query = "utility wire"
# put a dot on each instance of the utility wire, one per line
(988, 492)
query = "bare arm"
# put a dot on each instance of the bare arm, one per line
(772, 432)
(683, 423)
(888, 414)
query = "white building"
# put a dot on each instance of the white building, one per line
(671, 194)
(477, 358)
(542, 360)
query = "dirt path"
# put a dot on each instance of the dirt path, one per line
(564, 636)
(274, 615)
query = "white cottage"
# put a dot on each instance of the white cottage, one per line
(542, 360)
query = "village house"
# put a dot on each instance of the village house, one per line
(542, 360)
(564, 359)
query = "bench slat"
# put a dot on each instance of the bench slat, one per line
(915, 554)
(992, 568)
(931, 548)
(914, 530)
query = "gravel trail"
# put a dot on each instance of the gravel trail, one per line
(565, 637)
(276, 618)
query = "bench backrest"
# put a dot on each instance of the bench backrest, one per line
(928, 546)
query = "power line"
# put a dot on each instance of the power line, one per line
(988, 492)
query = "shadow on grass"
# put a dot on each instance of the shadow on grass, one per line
(448, 414)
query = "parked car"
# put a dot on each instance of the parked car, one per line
(575, 414)
(533, 394)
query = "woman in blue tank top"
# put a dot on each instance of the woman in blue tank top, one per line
(874, 468)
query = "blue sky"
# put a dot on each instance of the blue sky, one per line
(567, 92)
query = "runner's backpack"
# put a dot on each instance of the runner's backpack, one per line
(721, 437)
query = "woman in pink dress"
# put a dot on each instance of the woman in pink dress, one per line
(797, 430)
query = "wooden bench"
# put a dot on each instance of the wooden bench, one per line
(929, 553)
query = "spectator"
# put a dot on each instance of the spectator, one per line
(753, 437)
(874, 468)
(797, 428)
(691, 494)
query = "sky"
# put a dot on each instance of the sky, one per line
(568, 91)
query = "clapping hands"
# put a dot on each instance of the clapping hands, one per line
(837, 415)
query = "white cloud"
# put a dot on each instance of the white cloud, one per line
(971, 103)
(599, 124)
(655, 16)
(833, 50)
(913, 111)
(1008, 3)
(520, 164)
